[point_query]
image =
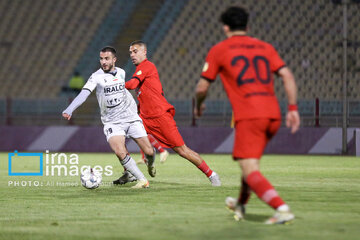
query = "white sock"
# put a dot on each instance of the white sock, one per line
(213, 174)
(283, 208)
(130, 165)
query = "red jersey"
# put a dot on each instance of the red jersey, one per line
(246, 66)
(149, 90)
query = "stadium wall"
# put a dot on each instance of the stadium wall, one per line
(217, 140)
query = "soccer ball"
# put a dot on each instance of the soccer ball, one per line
(90, 178)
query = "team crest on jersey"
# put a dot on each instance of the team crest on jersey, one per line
(139, 72)
(206, 67)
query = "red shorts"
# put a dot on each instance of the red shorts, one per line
(252, 135)
(164, 129)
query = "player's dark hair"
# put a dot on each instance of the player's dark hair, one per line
(235, 17)
(109, 49)
(138, 42)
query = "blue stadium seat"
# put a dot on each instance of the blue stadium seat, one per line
(330, 108)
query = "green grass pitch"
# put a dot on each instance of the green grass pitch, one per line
(323, 192)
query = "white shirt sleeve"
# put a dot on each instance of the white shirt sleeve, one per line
(91, 83)
(80, 99)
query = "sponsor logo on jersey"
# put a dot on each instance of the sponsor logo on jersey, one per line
(115, 88)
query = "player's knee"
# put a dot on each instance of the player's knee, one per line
(120, 153)
(249, 165)
(183, 151)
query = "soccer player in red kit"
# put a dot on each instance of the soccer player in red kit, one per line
(155, 111)
(246, 66)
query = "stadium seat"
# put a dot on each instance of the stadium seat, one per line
(44, 41)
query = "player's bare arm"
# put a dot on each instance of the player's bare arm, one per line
(200, 95)
(292, 116)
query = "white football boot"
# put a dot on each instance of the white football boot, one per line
(144, 183)
(215, 179)
(281, 217)
(163, 156)
(238, 209)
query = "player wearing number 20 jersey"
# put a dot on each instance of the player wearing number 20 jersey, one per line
(246, 66)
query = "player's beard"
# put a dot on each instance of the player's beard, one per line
(109, 69)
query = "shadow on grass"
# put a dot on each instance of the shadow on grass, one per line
(126, 190)
(156, 187)
(256, 218)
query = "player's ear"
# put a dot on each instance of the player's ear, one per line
(226, 29)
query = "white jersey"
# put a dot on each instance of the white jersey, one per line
(115, 101)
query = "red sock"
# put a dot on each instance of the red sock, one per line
(263, 189)
(155, 143)
(205, 169)
(245, 192)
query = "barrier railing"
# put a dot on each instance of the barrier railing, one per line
(217, 113)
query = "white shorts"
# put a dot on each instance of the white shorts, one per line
(129, 129)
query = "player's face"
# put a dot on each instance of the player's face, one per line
(137, 54)
(107, 61)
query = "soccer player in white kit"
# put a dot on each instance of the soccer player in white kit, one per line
(118, 114)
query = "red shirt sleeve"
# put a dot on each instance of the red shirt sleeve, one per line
(137, 78)
(211, 66)
(132, 83)
(276, 63)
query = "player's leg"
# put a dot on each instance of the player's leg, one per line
(149, 151)
(164, 129)
(238, 206)
(196, 159)
(265, 191)
(245, 193)
(250, 146)
(163, 153)
(137, 131)
(112, 130)
(117, 144)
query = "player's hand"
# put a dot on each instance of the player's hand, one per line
(293, 121)
(198, 112)
(66, 116)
